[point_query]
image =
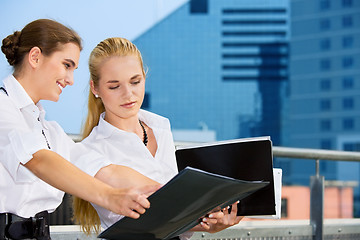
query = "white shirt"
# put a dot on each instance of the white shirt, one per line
(127, 149)
(22, 124)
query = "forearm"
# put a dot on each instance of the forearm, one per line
(61, 174)
(119, 176)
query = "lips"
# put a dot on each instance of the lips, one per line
(128, 105)
(60, 86)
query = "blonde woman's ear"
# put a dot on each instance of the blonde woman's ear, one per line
(92, 87)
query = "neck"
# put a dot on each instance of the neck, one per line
(27, 83)
(125, 124)
(132, 124)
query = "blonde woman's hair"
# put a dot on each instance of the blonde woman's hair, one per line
(84, 212)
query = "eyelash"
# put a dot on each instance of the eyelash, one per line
(67, 66)
(133, 83)
(136, 82)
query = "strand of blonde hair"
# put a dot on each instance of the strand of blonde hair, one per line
(84, 213)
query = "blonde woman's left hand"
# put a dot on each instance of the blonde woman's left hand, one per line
(219, 220)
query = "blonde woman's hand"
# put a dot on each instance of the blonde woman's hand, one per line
(219, 220)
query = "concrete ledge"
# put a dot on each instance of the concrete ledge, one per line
(268, 229)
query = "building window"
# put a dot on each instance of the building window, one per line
(348, 103)
(323, 166)
(325, 44)
(347, 41)
(325, 105)
(146, 101)
(325, 125)
(199, 6)
(325, 64)
(325, 144)
(347, 62)
(324, 24)
(324, 4)
(347, 3)
(348, 83)
(352, 146)
(325, 84)
(348, 124)
(347, 21)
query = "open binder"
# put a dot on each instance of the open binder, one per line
(178, 205)
(247, 159)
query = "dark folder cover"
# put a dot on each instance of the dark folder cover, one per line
(247, 159)
(177, 206)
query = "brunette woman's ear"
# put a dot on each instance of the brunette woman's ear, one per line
(34, 56)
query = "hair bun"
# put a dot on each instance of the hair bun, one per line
(10, 45)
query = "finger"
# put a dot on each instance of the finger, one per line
(234, 210)
(216, 215)
(141, 200)
(204, 225)
(148, 189)
(210, 220)
(138, 208)
(130, 213)
(226, 210)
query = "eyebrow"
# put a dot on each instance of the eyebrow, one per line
(135, 76)
(132, 78)
(112, 81)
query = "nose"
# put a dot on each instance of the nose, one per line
(127, 93)
(69, 79)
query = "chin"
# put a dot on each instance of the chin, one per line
(54, 98)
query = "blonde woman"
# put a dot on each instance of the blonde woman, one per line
(117, 128)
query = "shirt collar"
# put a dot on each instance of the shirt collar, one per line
(16, 92)
(104, 129)
(20, 97)
(154, 121)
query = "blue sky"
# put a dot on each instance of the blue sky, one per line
(94, 21)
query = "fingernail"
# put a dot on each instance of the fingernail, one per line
(211, 215)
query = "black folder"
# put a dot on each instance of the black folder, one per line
(178, 205)
(247, 159)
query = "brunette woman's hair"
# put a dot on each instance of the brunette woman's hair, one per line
(46, 34)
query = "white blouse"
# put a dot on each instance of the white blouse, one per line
(127, 149)
(23, 132)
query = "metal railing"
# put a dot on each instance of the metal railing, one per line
(317, 181)
(315, 228)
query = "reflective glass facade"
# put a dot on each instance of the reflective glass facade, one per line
(324, 103)
(220, 65)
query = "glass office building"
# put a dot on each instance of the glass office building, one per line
(220, 66)
(324, 103)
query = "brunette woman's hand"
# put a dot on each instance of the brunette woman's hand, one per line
(131, 202)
